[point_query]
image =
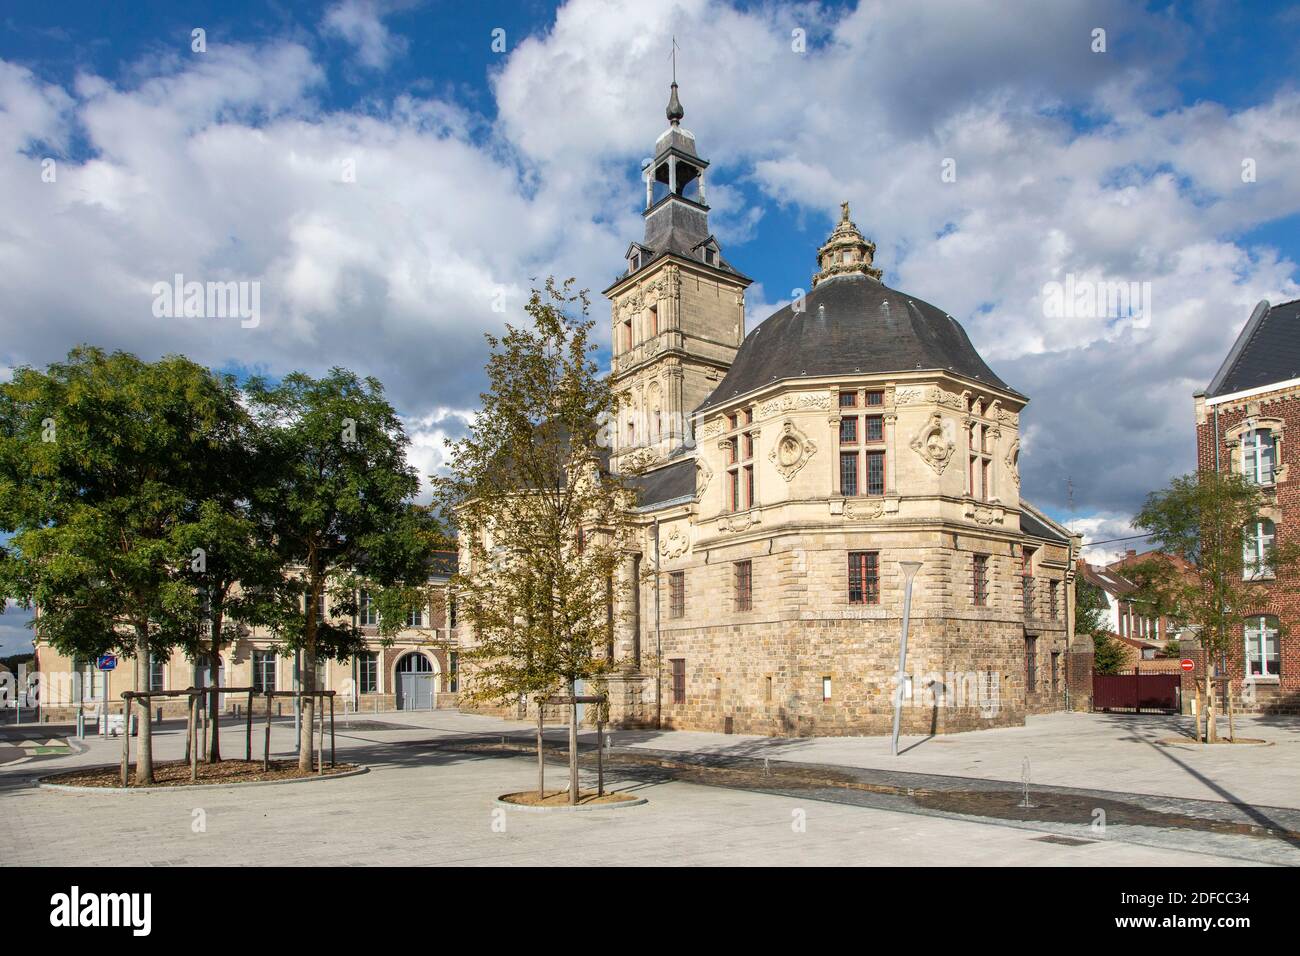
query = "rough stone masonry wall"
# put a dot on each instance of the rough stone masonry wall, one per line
(1283, 601)
(761, 671)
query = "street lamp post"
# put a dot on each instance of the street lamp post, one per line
(909, 573)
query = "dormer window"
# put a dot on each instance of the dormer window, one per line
(634, 262)
(709, 255)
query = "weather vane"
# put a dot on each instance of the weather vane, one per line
(673, 56)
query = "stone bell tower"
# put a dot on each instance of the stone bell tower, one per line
(678, 311)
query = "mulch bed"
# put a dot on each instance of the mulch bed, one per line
(1174, 741)
(560, 798)
(177, 774)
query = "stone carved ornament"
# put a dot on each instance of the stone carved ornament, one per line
(1013, 461)
(933, 442)
(801, 400)
(674, 544)
(738, 521)
(792, 451)
(984, 516)
(703, 473)
(863, 510)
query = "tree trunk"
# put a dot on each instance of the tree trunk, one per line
(1211, 731)
(541, 755)
(307, 705)
(144, 758)
(1232, 732)
(573, 745)
(214, 700)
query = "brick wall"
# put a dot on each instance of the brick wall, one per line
(1282, 600)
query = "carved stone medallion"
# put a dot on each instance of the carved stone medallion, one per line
(792, 451)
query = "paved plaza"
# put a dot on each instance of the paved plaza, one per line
(429, 800)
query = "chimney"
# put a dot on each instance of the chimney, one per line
(1131, 553)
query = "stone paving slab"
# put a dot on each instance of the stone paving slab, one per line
(439, 810)
(423, 805)
(1108, 752)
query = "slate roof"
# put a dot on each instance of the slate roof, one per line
(673, 481)
(1032, 523)
(1266, 351)
(850, 325)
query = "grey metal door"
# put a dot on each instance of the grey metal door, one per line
(414, 683)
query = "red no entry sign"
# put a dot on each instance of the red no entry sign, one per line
(1188, 664)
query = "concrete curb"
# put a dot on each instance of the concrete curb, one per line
(621, 805)
(72, 788)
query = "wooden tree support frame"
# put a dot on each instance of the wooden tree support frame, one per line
(192, 729)
(573, 702)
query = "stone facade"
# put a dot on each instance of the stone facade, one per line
(66, 687)
(765, 579)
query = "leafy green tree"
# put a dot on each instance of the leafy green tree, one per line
(98, 455)
(336, 495)
(1202, 518)
(542, 522)
(1109, 655)
(233, 567)
(1090, 618)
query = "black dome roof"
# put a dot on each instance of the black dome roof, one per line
(852, 325)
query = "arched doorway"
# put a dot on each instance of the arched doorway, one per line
(416, 677)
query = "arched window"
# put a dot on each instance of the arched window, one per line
(1262, 658)
(1257, 549)
(1258, 456)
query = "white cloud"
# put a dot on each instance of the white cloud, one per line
(360, 23)
(1068, 162)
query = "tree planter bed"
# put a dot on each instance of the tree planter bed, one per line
(559, 800)
(175, 775)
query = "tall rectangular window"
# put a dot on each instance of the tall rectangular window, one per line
(1027, 581)
(415, 617)
(874, 427)
(848, 431)
(1054, 599)
(980, 579)
(1257, 549)
(368, 613)
(263, 670)
(848, 473)
(1031, 664)
(740, 463)
(744, 585)
(368, 672)
(1262, 658)
(864, 577)
(91, 680)
(875, 398)
(679, 680)
(826, 688)
(157, 672)
(1056, 671)
(875, 472)
(677, 594)
(1259, 456)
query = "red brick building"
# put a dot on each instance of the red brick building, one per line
(1242, 424)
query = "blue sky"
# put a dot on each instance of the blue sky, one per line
(478, 169)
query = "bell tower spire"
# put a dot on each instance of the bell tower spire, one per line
(678, 311)
(674, 111)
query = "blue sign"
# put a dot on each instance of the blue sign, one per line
(107, 662)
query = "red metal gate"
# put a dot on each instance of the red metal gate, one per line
(1137, 693)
